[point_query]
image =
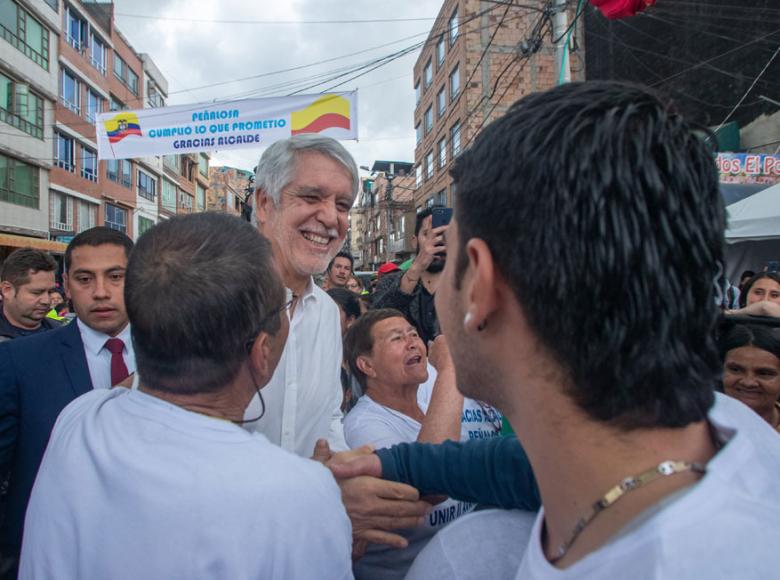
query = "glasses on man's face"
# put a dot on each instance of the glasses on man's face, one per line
(275, 312)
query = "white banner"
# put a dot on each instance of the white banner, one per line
(248, 123)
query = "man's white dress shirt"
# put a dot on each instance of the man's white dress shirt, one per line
(303, 398)
(99, 357)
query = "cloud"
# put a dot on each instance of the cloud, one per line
(194, 54)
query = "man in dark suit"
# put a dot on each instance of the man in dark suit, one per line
(41, 374)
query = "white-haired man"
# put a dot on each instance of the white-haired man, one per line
(305, 189)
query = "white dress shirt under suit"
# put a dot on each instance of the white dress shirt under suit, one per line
(99, 357)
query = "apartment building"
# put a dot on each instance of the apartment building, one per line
(475, 64)
(62, 63)
(228, 189)
(29, 33)
(382, 219)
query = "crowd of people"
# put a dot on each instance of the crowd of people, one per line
(212, 412)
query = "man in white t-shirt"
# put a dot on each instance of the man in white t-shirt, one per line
(604, 360)
(388, 357)
(162, 481)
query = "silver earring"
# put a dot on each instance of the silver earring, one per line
(467, 319)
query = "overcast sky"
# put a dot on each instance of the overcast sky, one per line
(193, 54)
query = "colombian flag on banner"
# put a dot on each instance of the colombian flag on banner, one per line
(122, 125)
(327, 112)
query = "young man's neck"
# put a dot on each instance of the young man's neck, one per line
(576, 460)
(18, 323)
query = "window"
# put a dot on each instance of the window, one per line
(441, 101)
(455, 139)
(132, 81)
(112, 169)
(20, 107)
(88, 164)
(63, 152)
(87, 213)
(454, 83)
(418, 132)
(429, 202)
(125, 74)
(429, 165)
(70, 92)
(116, 105)
(417, 93)
(119, 68)
(76, 29)
(61, 212)
(94, 105)
(200, 197)
(147, 186)
(116, 218)
(203, 165)
(172, 162)
(18, 182)
(127, 173)
(442, 198)
(153, 96)
(169, 193)
(442, 152)
(54, 4)
(440, 52)
(185, 202)
(97, 54)
(418, 175)
(428, 74)
(453, 27)
(428, 120)
(25, 33)
(144, 225)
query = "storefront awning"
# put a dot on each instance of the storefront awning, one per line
(14, 241)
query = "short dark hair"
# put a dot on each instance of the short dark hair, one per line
(199, 288)
(346, 300)
(746, 274)
(749, 284)
(346, 255)
(602, 180)
(421, 215)
(758, 335)
(358, 340)
(23, 262)
(98, 236)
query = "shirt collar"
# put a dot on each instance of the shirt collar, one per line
(309, 293)
(94, 340)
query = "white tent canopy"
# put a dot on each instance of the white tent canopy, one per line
(753, 232)
(756, 217)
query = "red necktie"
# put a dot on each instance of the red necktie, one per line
(118, 367)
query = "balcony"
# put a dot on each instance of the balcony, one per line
(401, 243)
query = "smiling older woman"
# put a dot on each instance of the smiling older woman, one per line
(751, 372)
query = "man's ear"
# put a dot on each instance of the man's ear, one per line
(482, 285)
(260, 358)
(66, 286)
(365, 365)
(6, 288)
(263, 205)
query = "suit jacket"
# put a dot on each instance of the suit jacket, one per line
(39, 376)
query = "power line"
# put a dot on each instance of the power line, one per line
(753, 84)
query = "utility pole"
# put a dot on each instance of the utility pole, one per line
(389, 199)
(560, 24)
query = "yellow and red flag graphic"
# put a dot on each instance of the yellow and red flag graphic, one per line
(122, 125)
(327, 112)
